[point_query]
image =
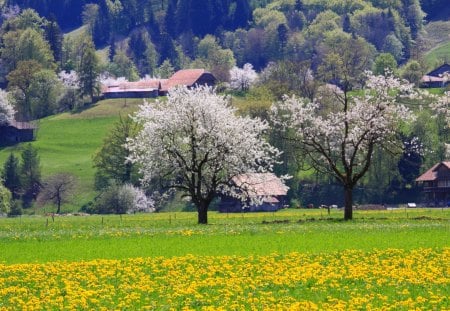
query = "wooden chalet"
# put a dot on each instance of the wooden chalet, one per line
(266, 186)
(436, 77)
(17, 132)
(436, 184)
(158, 87)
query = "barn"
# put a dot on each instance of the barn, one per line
(269, 189)
(17, 132)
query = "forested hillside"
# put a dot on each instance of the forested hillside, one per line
(238, 31)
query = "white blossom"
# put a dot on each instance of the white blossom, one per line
(441, 106)
(339, 138)
(6, 109)
(69, 79)
(141, 203)
(195, 140)
(243, 79)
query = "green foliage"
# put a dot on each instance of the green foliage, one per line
(30, 174)
(11, 175)
(88, 69)
(111, 159)
(123, 66)
(384, 63)
(5, 199)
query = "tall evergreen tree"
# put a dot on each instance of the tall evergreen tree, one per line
(242, 14)
(54, 36)
(170, 18)
(11, 175)
(88, 70)
(30, 174)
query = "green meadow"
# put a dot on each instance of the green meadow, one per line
(68, 141)
(74, 238)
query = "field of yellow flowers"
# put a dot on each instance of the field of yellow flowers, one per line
(289, 260)
(390, 279)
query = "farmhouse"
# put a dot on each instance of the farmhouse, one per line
(436, 78)
(266, 186)
(152, 88)
(15, 132)
(436, 184)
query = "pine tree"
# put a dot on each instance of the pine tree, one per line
(54, 36)
(170, 18)
(11, 175)
(242, 14)
(88, 70)
(346, 25)
(30, 174)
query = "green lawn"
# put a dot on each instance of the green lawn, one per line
(68, 141)
(43, 239)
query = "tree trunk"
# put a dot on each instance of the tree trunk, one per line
(348, 198)
(202, 213)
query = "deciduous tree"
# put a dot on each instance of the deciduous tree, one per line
(242, 79)
(57, 189)
(340, 139)
(196, 143)
(110, 160)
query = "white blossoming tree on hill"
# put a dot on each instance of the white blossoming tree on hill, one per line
(6, 109)
(243, 79)
(339, 137)
(197, 143)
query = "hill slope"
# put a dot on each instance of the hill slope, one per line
(67, 142)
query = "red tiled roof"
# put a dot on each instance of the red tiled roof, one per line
(431, 174)
(261, 184)
(186, 77)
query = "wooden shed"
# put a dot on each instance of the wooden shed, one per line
(17, 132)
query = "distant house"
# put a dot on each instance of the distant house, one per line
(158, 87)
(17, 132)
(436, 184)
(436, 77)
(265, 186)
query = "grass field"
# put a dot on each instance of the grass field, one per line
(437, 36)
(289, 260)
(68, 141)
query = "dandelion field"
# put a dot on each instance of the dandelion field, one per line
(290, 260)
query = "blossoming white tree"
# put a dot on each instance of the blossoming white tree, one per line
(339, 137)
(197, 143)
(242, 79)
(6, 109)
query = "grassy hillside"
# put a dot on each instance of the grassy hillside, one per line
(67, 142)
(438, 40)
